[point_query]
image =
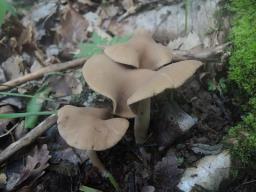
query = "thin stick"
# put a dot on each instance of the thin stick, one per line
(205, 54)
(9, 131)
(24, 95)
(42, 72)
(28, 138)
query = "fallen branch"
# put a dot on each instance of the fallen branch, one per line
(28, 138)
(41, 72)
(204, 54)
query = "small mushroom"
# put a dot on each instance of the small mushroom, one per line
(90, 129)
(131, 89)
(141, 51)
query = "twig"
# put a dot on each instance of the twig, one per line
(249, 182)
(206, 54)
(42, 72)
(152, 4)
(9, 131)
(28, 138)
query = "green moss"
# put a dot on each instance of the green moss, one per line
(243, 36)
(245, 135)
(242, 71)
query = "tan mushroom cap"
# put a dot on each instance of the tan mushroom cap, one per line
(126, 86)
(90, 128)
(141, 51)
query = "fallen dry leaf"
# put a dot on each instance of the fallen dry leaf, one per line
(43, 9)
(208, 173)
(65, 85)
(167, 174)
(86, 2)
(127, 4)
(148, 189)
(73, 27)
(108, 11)
(2, 76)
(35, 166)
(27, 38)
(13, 67)
(5, 122)
(3, 178)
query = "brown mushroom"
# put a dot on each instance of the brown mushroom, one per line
(90, 129)
(131, 89)
(141, 51)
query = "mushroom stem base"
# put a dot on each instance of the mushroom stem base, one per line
(141, 123)
(96, 162)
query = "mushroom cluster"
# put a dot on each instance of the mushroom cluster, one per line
(129, 74)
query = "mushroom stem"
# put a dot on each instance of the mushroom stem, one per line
(141, 123)
(96, 162)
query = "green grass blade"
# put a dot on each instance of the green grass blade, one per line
(5, 7)
(112, 180)
(19, 115)
(88, 189)
(95, 44)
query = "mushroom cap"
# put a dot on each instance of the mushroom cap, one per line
(126, 86)
(90, 128)
(141, 51)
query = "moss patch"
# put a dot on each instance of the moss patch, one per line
(242, 71)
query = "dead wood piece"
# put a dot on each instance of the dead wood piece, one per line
(28, 138)
(41, 72)
(205, 54)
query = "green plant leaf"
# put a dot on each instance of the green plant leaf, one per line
(19, 115)
(96, 43)
(5, 7)
(88, 189)
(34, 106)
(211, 86)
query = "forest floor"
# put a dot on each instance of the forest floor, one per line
(47, 34)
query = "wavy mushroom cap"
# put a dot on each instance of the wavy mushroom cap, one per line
(141, 51)
(126, 86)
(90, 128)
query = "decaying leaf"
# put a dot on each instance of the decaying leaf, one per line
(108, 11)
(127, 4)
(86, 2)
(13, 67)
(13, 101)
(4, 122)
(27, 38)
(207, 173)
(72, 27)
(3, 179)
(148, 188)
(43, 10)
(65, 85)
(204, 149)
(35, 166)
(167, 174)
(2, 76)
